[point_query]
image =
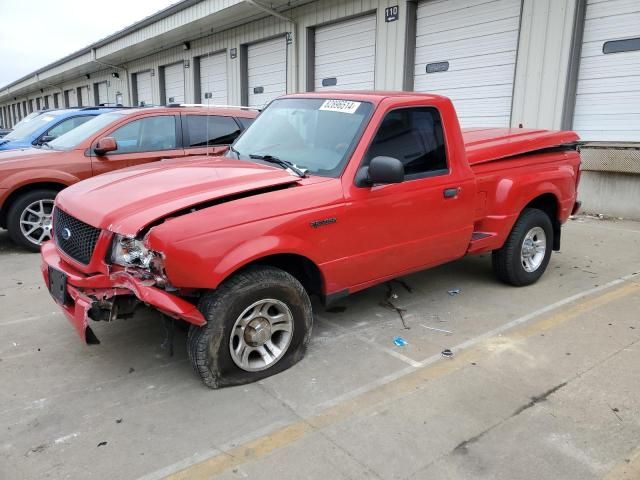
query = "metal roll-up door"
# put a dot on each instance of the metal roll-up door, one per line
(608, 90)
(345, 55)
(102, 93)
(83, 96)
(143, 88)
(266, 71)
(174, 83)
(71, 98)
(466, 50)
(213, 79)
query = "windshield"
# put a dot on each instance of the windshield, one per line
(26, 119)
(79, 134)
(314, 134)
(27, 125)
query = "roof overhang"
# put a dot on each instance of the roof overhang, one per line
(183, 21)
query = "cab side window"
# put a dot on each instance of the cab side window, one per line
(146, 135)
(67, 125)
(415, 137)
(203, 130)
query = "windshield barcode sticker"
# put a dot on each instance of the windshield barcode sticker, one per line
(342, 106)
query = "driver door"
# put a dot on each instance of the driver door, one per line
(423, 221)
(142, 140)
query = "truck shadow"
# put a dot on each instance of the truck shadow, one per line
(140, 342)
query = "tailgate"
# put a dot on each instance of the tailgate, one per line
(488, 144)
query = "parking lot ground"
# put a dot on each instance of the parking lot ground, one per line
(542, 384)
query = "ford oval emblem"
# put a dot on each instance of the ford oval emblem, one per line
(66, 234)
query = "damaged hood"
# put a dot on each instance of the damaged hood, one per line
(126, 201)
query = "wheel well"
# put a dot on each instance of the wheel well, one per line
(303, 269)
(548, 203)
(22, 190)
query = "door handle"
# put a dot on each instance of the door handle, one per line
(451, 192)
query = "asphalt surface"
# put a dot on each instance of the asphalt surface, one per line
(542, 384)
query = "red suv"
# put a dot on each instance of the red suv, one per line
(31, 178)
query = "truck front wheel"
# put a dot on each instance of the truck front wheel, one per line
(258, 324)
(525, 255)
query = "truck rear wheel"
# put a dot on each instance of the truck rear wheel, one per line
(258, 324)
(525, 255)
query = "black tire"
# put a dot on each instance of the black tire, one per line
(208, 346)
(507, 261)
(15, 212)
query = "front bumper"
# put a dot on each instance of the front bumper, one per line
(85, 291)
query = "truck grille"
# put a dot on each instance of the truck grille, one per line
(73, 237)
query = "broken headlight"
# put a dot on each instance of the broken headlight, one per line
(130, 252)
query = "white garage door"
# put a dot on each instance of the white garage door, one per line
(608, 90)
(345, 55)
(174, 83)
(266, 71)
(466, 50)
(84, 96)
(72, 100)
(103, 93)
(144, 94)
(213, 79)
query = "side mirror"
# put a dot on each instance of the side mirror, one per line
(105, 145)
(46, 139)
(381, 170)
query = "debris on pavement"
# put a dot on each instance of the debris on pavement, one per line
(455, 291)
(102, 444)
(387, 303)
(447, 353)
(38, 449)
(400, 342)
(448, 332)
(615, 411)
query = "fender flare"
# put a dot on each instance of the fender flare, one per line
(28, 177)
(262, 247)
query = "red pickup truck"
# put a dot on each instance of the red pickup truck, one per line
(324, 194)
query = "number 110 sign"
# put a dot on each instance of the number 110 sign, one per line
(391, 14)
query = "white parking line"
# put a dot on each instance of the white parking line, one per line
(29, 319)
(471, 341)
(475, 340)
(389, 351)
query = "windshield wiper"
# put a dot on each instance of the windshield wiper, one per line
(233, 149)
(301, 172)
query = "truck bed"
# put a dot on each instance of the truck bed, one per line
(485, 145)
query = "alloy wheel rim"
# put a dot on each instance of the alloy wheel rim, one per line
(533, 250)
(35, 221)
(261, 335)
